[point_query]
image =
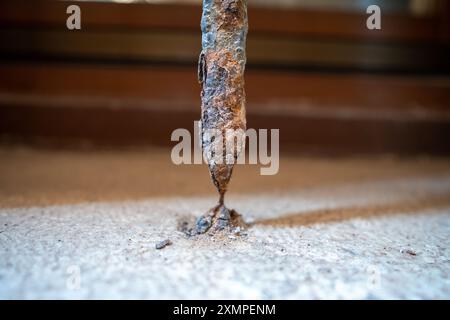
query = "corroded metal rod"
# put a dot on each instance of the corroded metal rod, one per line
(221, 74)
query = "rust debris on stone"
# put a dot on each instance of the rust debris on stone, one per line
(162, 244)
(221, 75)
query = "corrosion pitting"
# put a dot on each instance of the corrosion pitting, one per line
(221, 75)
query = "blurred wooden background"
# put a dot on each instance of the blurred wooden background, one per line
(128, 77)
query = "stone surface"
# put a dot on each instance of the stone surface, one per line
(346, 229)
(110, 246)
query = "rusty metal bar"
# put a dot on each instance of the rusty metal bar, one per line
(221, 74)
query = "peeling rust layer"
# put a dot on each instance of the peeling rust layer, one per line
(221, 74)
